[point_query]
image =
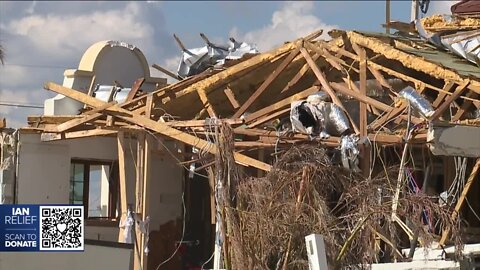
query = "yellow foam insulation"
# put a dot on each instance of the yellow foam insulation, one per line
(438, 22)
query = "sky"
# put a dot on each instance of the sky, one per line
(43, 38)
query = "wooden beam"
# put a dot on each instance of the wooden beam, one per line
(299, 74)
(147, 178)
(149, 106)
(463, 109)
(231, 97)
(268, 118)
(441, 95)
(363, 91)
(122, 178)
(135, 88)
(458, 91)
(139, 178)
(46, 137)
(394, 112)
(206, 104)
(283, 103)
(461, 199)
(90, 88)
(167, 72)
(266, 83)
(157, 126)
(321, 77)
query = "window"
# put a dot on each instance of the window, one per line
(94, 184)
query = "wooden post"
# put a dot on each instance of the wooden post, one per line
(138, 251)
(147, 163)
(462, 197)
(387, 16)
(365, 161)
(123, 182)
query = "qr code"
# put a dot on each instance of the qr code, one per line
(61, 228)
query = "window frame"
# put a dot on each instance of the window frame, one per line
(113, 189)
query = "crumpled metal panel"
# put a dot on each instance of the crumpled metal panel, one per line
(196, 60)
(104, 93)
(417, 101)
(464, 44)
(322, 118)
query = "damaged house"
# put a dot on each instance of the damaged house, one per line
(371, 140)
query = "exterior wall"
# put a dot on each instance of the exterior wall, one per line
(94, 257)
(44, 176)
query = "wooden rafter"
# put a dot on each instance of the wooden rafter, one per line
(155, 126)
(326, 86)
(267, 82)
(458, 91)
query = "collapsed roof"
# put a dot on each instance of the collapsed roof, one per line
(362, 73)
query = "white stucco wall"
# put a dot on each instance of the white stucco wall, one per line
(44, 176)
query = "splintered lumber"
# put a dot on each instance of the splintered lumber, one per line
(321, 77)
(158, 127)
(461, 199)
(267, 82)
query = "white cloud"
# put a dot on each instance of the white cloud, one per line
(66, 35)
(291, 21)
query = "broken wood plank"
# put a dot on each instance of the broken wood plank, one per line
(206, 104)
(149, 106)
(458, 91)
(321, 77)
(135, 88)
(167, 72)
(231, 97)
(90, 88)
(461, 199)
(279, 105)
(267, 82)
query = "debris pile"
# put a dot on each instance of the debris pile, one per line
(305, 193)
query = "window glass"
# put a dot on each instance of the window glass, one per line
(98, 191)
(76, 183)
